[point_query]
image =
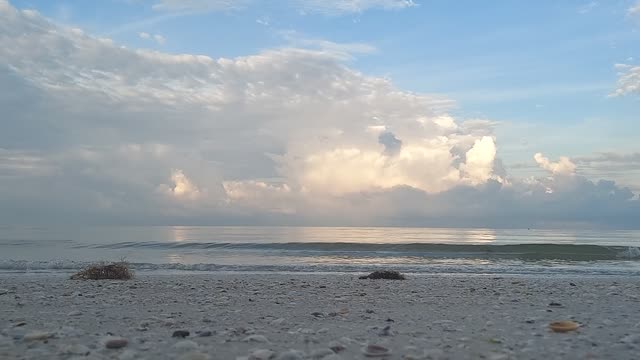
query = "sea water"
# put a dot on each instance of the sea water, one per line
(322, 249)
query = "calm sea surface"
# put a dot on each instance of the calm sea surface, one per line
(322, 249)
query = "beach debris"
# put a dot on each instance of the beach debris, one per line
(75, 313)
(385, 274)
(256, 338)
(386, 331)
(563, 326)
(369, 311)
(37, 335)
(19, 323)
(317, 314)
(337, 346)
(555, 304)
(116, 343)
(374, 350)
(572, 284)
(180, 334)
(4, 291)
(262, 354)
(102, 271)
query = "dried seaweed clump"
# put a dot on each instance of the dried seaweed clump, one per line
(102, 271)
(386, 274)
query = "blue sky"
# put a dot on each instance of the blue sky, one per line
(552, 77)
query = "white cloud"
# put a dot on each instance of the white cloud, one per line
(628, 80)
(155, 37)
(141, 135)
(181, 186)
(564, 166)
(159, 39)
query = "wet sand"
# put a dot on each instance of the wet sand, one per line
(318, 316)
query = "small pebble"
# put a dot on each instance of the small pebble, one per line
(336, 346)
(180, 334)
(373, 350)
(116, 343)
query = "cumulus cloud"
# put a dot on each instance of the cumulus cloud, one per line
(93, 131)
(563, 166)
(181, 186)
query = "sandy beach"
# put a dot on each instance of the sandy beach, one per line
(319, 316)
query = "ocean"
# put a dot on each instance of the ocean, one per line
(157, 249)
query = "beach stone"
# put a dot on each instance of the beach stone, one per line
(205, 333)
(115, 343)
(256, 338)
(336, 346)
(75, 313)
(291, 355)
(37, 335)
(261, 354)
(180, 334)
(375, 350)
(386, 331)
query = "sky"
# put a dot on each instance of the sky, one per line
(320, 112)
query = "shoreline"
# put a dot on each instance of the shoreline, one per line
(457, 316)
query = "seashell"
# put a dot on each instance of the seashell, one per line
(373, 350)
(563, 326)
